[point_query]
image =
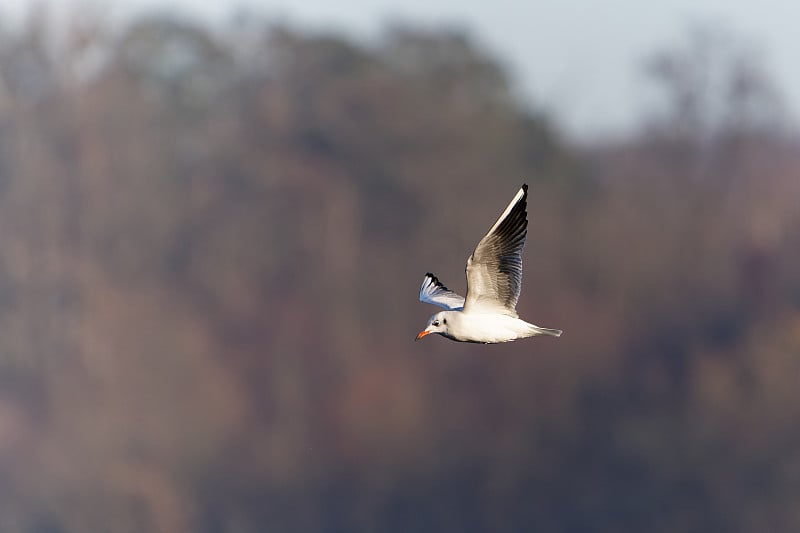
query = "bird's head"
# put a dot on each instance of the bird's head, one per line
(436, 324)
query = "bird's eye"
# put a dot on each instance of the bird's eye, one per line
(435, 323)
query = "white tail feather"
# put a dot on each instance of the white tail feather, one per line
(547, 331)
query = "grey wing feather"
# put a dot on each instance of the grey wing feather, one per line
(434, 292)
(494, 270)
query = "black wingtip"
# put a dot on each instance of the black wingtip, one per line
(525, 187)
(436, 281)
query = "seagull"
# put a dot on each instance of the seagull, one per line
(494, 279)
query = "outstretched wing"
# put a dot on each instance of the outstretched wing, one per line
(494, 270)
(433, 292)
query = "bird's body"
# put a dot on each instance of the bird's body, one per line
(494, 279)
(488, 328)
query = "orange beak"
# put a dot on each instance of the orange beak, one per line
(422, 334)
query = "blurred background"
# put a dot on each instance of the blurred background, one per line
(215, 220)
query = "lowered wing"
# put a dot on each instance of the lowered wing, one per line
(433, 292)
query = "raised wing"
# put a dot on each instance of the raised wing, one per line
(494, 270)
(433, 292)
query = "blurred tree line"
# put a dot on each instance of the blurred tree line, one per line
(212, 244)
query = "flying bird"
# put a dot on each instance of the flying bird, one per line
(494, 280)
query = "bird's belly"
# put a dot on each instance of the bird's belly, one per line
(486, 328)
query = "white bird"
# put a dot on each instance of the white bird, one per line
(494, 280)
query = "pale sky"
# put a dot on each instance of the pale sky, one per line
(578, 59)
